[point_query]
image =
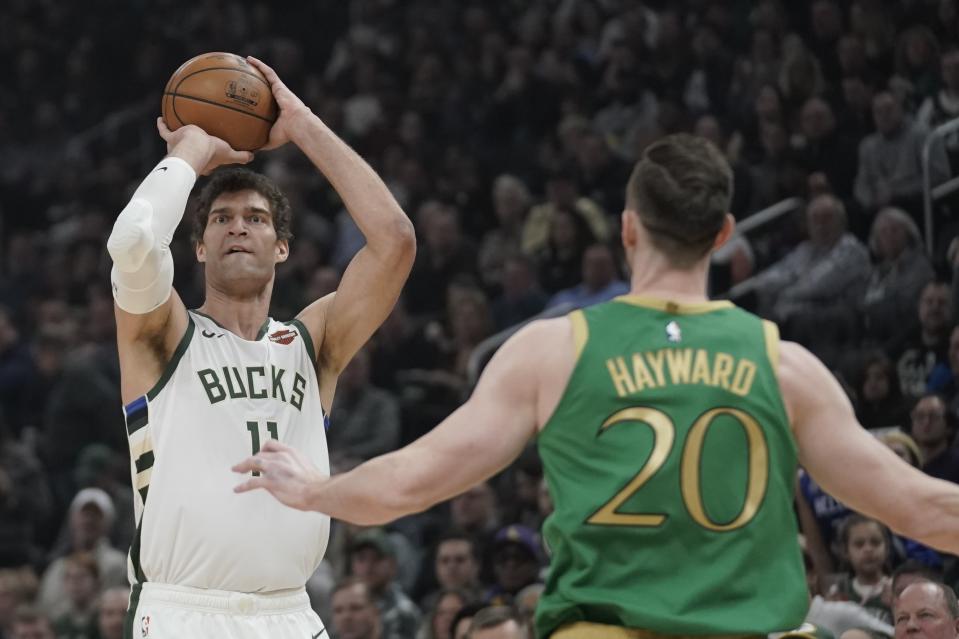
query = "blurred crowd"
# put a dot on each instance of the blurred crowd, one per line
(507, 130)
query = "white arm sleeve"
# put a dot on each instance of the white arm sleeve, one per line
(139, 245)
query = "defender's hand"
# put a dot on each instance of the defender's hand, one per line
(284, 472)
(292, 109)
(199, 149)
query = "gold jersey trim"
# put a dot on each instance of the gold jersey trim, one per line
(674, 307)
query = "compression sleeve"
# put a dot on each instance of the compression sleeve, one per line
(139, 245)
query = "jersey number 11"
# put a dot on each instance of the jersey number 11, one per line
(254, 428)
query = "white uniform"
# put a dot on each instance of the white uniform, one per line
(198, 544)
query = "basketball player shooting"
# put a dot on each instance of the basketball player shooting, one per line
(204, 387)
(670, 428)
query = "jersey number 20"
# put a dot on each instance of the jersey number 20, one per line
(664, 432)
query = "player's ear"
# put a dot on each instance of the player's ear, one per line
(200, 251)
(282, 250)
(726, 232)
(628, 232)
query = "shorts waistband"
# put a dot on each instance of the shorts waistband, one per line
(589, 630)
(241, 603)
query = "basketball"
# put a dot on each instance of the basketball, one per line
(225, 96)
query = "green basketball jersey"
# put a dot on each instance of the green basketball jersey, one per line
(671, 463)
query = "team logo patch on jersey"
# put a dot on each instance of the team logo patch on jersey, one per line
(673, 332)
(283, 336)
(144, 625)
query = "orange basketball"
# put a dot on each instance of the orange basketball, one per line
(224, 95)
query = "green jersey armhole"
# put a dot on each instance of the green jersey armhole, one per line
(307, 339)
(174, 361)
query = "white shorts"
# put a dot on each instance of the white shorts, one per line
(161, 611)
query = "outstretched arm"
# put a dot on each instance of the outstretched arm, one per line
(854, 467)
(344, 321)
(150, 316)
(478, 440)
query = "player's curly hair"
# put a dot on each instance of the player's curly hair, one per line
(240, 179)
(681, 189)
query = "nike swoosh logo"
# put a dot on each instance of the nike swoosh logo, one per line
(207, 333)
(163, 168)
(319, 633)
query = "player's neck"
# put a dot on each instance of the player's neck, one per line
(652, 276)
(242, 317)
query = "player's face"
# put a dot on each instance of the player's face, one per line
(867, 549)
(921, 613)
(455, 566)
(240, 247)
(354, 615)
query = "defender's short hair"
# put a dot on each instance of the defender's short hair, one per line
(681, 189)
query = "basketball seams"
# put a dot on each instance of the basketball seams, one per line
(205, 69)
(180, 96)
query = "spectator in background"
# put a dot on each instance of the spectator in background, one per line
(373, 561)
(444, 254)
(943, 105)
(943, 378)
(600, 281)
(463, 619)
(498, 622)
(30, 623)
(81, 584)
(438, 624)
(560, 261)
(90, 519)
(99, 466)
(515, 556)
(910, 572)
(521, 297)
(879, 401)
(456, 566)
(812, 289)
(364, 419)
(821, 146)
(355, 615)
(890, 170)
(26, 505)
(511, 202)
(900, 272)
(111, 611)
(600, 174)
(866, 550)
(917, 62)
(927, 609)
(17, 371)
(931, 430)
(562, 195)
(919, 351)
(18, 587)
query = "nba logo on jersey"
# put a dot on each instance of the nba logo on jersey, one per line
(673, 332)
(144, 625)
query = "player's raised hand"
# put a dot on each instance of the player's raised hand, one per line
(292, 108)
(198, 148)
(283, 471)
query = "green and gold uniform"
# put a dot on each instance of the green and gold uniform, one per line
(671, 463)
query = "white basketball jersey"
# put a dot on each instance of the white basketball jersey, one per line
(220, 397)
